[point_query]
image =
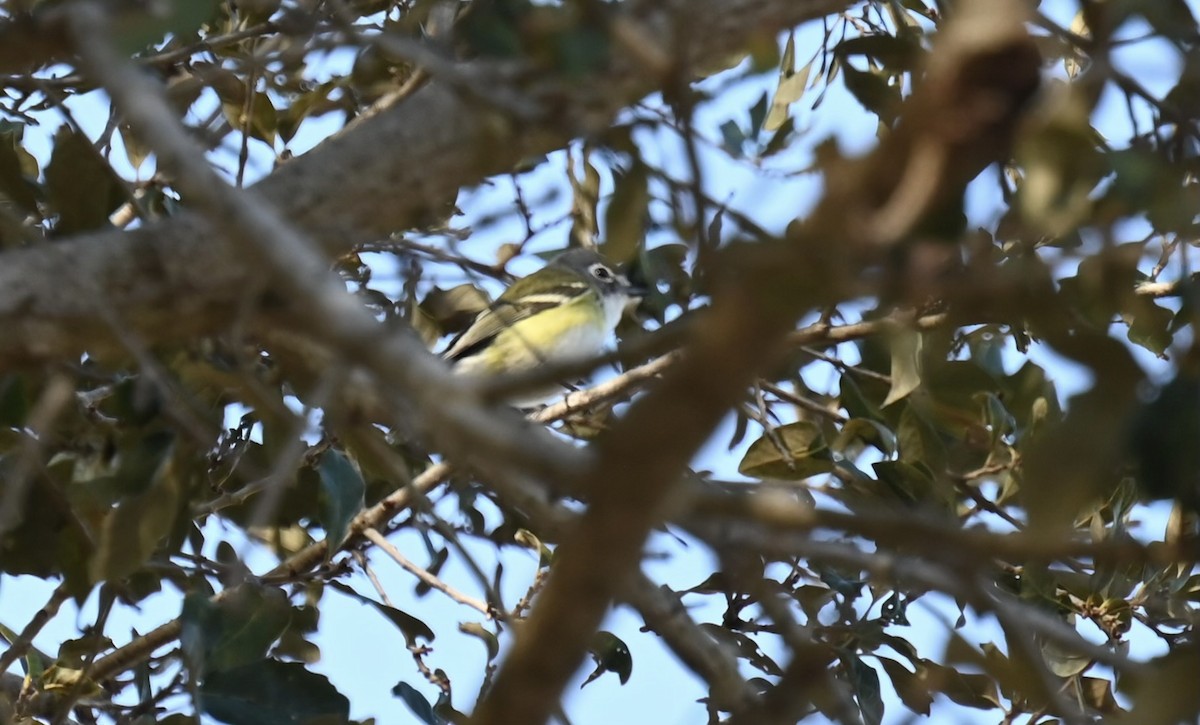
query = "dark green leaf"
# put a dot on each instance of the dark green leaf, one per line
(133, 530)
(341, 499)
(417, 703)
(912, 483)
(895, 52)
(14, 400)
(18, 169)
(1163, 693)
(873, 91)
(626, 216)
(911, 687)
(1149, 325)
(409, 626)
(1171, 18)
(455, 308)
(610, 655)
(236, 630)
(779, 138)
(796, 451)
(733, 139)
(440, 557)
(906, 364)
(82, 188)
(967, 689)
(856, 402)
(475, 629)
(138, 29)
(869, 432)
(865, 680)
(1097, 693)
(272, 693)
(745, 647)
(1163, 439)
(792, 84)
(758, 114)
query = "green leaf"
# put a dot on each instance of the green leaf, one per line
(911, 687)
(873, 91)
(788, 90)
(272, 693)
(906, 364)
(434, 567)
(18, 169)
(1149, 325)
(133, 530)
(865, 681)
(758, 113)
(341, 498)
(1062, 661)
(137, 29)
(34, 661)
(744, 647)
(293, 644)
(1162, 439)
(912, 483)
(81, 187)
(806, 455)
(409, 626)
(417, 703)
(1097, 693)
(261, 122)
(136, 152)
(1164, 692)
(733, 139)
(48, 538)
(867, 431)
(779, 139)
(626, 215)
(611, 655)
(489, 639)
(236, 630)
(455, 308)
(1170, 18)
(967, 689)
(143, 463)
(856, 401)
(894, 52)
(996, 416)
(14, 400)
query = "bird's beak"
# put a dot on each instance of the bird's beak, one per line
(635, 291)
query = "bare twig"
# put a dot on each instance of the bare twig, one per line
(424, 575)
(19, 646)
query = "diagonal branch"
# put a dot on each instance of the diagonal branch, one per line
(982, 70)
(182, 277)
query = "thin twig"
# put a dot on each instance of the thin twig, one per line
(425, 575)
(23, 641)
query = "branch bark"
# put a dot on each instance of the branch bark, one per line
(983, 70)
(181, 278)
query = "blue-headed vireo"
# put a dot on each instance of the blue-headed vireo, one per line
(564, 312)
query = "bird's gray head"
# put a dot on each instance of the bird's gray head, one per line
(603, 275)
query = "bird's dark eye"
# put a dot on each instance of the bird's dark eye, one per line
(599, 271)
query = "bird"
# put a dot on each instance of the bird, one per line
(564, 312)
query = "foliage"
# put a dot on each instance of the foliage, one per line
(904, 429)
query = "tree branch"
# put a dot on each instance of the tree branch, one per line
(183, 277)
(982, 70)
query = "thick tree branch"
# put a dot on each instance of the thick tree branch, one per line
(180, 278)
(983, 70)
